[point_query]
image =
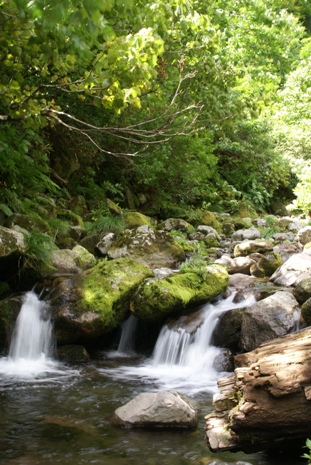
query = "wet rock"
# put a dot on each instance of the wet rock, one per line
(91, 304)
(268, 319)
(73, 353)
(157, 298)
(228, 329)
(158, 409)
(9, 310)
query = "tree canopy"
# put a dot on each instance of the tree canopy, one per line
(188, 102)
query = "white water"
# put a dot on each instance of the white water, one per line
(128, 333)
(183, 361)
(30, 353)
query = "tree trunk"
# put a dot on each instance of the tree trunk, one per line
(266, 403)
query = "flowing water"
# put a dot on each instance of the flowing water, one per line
(54, 414)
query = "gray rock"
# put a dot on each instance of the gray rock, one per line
(290, 271)
(105, 243)
(11, 242)
(158, 409)
(246, 234)
(279, 237)
(304, 235)
(249, 247)
(267, 319)
(65, 260)
(177, 224)
(240, 281)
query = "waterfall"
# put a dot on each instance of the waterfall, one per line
(31, 349)
(184, 357)
(128, 333)
(32, 335)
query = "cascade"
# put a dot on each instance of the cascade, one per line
(185, 359)
(128, 333)
(32, 344)
(32, 335)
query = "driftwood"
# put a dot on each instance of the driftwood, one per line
(266, 403)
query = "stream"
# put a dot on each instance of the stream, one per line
(57, 414)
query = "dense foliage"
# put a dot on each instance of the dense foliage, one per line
(157, 105)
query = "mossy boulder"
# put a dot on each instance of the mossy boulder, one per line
(27, 222)
(158, 298)
(306, 311)
(113, 208)
(266, 265)
(156, 249)
(93, 303)
(209, 219)
(302, 290)
(136, 219)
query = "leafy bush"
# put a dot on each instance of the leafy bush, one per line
(39, 247)
(114, 224)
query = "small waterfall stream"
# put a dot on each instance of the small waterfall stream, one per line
(184, 358)
(32, 345)
(128, 333)
(32, 336)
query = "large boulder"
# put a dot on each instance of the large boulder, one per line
(158, 298)
(153, 248)
(228, 329)
(90, 304)
(267, 319)
(158, 409)
(290, 271)
(12, 247)
(11, 243)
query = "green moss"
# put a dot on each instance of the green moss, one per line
(108, 286)
(159, 298)
(70, 217)
(136, 219)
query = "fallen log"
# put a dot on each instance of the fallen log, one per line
(266, 403)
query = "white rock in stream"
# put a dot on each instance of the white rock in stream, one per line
(158, 409)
